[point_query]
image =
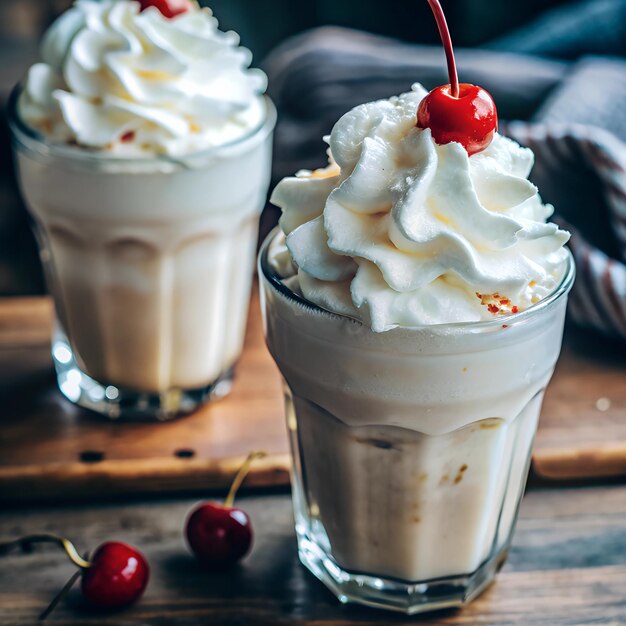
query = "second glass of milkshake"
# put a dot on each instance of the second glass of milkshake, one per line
(414, 301)
(143, 146)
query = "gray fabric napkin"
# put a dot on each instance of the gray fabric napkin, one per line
(316, 77)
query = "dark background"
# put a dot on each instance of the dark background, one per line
(265, 23)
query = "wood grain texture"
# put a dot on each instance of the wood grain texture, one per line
(43, 438)
(567, 567)
(25, 322)
(582, 432)
(50, 448)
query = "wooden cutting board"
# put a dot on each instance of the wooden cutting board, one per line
(50, 449)
(582, 431)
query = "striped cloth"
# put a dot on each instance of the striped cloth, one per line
(575, 123)
(579, 140)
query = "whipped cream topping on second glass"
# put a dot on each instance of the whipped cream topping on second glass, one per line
(117, 79)
(400, 231)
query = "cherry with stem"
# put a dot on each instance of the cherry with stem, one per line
(219, 534)
(461, 113)
(115, 577)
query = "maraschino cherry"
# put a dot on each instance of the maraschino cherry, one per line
(169, 8)
(115, 577)
(463, 113)
(220, 534)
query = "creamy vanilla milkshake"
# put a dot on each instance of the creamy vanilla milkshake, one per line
(414, 304)
(143, 145)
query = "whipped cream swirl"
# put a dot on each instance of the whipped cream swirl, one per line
(118, 79)
(400, 231)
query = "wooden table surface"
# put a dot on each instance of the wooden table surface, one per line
(49, 448)
(567, 567)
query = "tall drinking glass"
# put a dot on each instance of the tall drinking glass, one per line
(411, 447)
(150, 265)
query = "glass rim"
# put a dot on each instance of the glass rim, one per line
(513, 319)
(32, 139)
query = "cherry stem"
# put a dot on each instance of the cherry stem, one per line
(25, 543)
(66, 589)
(241, 476)
(444, 33)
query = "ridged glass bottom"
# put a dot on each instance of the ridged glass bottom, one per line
(117, 403)
(394, 595)
(398, 519)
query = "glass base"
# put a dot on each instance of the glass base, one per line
(118, 403)
(396, 595)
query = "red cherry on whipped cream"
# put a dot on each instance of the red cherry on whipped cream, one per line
(470, 118)
(457, 112)
(169, 8)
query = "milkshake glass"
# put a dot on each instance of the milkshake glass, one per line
(148, 242)
(414, 304)
(150, 264)
(411, 448)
